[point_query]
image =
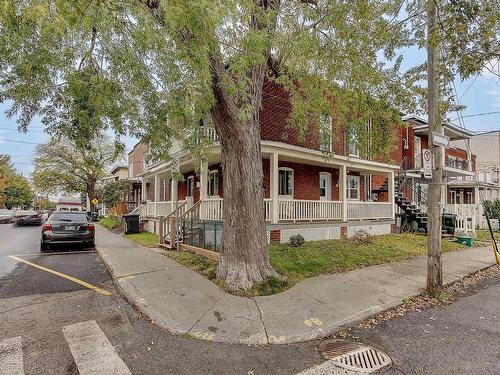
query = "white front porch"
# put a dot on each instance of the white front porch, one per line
(341, 194)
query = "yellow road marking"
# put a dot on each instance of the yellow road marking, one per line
(67, 277)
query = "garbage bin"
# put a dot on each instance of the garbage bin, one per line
(95, 216)
(449, 223)
(131, 223)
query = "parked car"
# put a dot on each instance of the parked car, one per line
(6, 216)
(27, 217)
(67, 228)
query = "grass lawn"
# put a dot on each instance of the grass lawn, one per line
(484, 235)
(322, 257)
(110, 222)
(147, 239)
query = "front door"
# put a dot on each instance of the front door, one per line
(325, 186)
(417, 152)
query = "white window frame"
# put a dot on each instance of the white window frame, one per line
(353, 144)
(350, 178)
(213, 179)
(469, 197)
(325, 130)
(453, 197)
(190, 186)
(327, 177)
(292, 187)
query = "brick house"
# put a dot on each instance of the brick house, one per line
(302, 188)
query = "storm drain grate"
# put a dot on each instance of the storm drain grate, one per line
(354, 356)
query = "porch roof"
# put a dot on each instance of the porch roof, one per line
(286, 152)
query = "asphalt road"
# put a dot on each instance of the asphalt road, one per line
(16, 240)
(36, 305)
(463, 338)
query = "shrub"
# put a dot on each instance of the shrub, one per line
(361, 237)
(297, 240)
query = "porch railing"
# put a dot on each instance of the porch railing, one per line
(369, 210)
(293, 210)
(308, 210)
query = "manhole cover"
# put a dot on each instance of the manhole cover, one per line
(354, 356)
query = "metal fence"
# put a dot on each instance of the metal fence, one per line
(206, 234)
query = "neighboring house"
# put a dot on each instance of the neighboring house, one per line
(468, 192)
(303, 191)
(69, 204)
(136, 167)
(412, 186)
(118, 172)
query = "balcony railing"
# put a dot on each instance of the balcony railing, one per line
(461, 164)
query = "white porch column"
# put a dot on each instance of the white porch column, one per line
(157, 192)
(273, 188)
(343, 191)
(203, 188)
(174, 186)
(390, 192)
(203, 180)
(476, 196)
(144, 194)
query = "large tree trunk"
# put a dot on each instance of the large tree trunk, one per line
(244, 257)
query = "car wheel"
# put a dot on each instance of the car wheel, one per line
(43, 247)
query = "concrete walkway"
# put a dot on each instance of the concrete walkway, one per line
(183, 301)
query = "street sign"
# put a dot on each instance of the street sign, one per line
(439, 139)
(427, 163)
(94, 201)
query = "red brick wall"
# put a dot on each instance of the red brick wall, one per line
(274, 117)
(136, 158)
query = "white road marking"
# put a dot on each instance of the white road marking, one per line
(11, 356)
(92, 351)
(328, 368)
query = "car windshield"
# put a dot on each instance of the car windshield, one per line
(68, 217)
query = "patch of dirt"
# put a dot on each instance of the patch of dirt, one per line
(449, 294)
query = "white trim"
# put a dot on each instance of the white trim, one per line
(286, 169)
(348, 189)
(188, 192)
(216, 183)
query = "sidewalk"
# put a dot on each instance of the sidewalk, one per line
(183, 301)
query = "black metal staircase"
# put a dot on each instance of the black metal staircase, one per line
(414, 217)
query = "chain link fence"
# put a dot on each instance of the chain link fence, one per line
(206, 234)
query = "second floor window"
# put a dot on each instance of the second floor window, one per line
(213, 183)
(325, 133)
(285, 181)
(353, 144)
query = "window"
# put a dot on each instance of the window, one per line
(213, 183)
(352, 187)
(285, 181)
(469, 197)
(322, 187)
(325, 133)
(453, 197)
(353, 143)
(190, 186)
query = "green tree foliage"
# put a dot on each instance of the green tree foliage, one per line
(492, 208)
(63, 166)
(43, 203)
(15, 190)
(115, 192)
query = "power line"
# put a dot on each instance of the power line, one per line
(15, 141)
(477, 114)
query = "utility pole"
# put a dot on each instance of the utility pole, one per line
(434, 262)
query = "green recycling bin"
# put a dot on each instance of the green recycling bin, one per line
(469, 241)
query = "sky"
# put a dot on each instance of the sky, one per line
(480, 94)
